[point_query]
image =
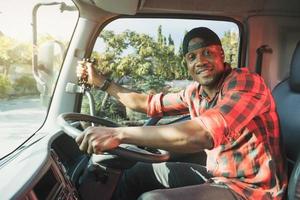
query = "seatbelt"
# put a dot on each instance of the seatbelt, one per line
(259, 57)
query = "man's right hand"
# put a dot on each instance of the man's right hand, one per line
(86, 71)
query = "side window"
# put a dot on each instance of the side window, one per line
(33, 39)
(146, 55)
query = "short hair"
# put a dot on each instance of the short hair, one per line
(208, 36)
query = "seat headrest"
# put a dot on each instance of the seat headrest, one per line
(295, 70)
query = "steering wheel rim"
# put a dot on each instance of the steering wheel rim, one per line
(130, 152)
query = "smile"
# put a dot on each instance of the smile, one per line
(203, 71)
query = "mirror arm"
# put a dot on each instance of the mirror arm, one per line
(63, 7)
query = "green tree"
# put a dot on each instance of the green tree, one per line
(6, 49)
(140, 55)
(12, 51)
(170, 40)
(25, 85)
(5, 86)
(148, 62)
(21, 53)
(230, 46)
(160, 37)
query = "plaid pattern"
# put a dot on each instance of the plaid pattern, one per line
(245, 129)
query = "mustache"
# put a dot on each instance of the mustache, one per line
(202, 66)
(199, 68)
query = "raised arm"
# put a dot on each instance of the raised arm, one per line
(131, 99)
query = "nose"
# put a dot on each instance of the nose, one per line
(200, 60)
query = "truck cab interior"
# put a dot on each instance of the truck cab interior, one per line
(264, 36)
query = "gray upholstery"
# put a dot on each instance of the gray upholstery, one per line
(295, 70)
(287, 98)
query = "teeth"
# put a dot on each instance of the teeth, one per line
(200, 71)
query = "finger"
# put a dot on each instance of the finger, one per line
(79, 138)
(81, 62)
(97, 150)
(90, 149)
(81, 66)
(80, 69)
(81, 73)
(89, 69)
(84, 144)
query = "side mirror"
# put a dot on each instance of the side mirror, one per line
(50, 55)
(49, 59)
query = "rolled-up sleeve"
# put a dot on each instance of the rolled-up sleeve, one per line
(213, 121)
(154, 108)
(167, 104)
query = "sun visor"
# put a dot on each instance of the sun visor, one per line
(126, 7)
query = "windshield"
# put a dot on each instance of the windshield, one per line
(33, 38)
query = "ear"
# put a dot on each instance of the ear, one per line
(222, 53)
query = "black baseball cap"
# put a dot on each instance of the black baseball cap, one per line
(208, 38)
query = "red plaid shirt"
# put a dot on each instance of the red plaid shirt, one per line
(245, 129)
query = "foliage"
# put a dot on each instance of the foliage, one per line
(12, 51)
(150, 84)
(5, 86)
(25, 85)
(5, 47)
(230, 46)
(140, 56)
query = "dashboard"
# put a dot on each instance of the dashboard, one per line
(54, 184)
(56, 181)
(48, 167)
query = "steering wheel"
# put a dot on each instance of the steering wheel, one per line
(127, 151)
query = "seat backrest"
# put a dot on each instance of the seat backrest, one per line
(287, 98)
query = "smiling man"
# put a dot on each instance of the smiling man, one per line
(233, 118)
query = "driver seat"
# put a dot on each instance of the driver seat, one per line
(287, 98)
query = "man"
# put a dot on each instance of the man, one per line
(233, 119)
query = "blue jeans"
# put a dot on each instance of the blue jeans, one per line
(169, 180)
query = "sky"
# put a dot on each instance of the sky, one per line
(175, 27)
(16, 19)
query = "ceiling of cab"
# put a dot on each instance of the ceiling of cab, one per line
(127, 7)
(233, 7)
(210, 7)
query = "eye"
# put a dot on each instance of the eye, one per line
(191, 57)
(206, 52)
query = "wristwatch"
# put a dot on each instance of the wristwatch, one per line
(104, 85)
